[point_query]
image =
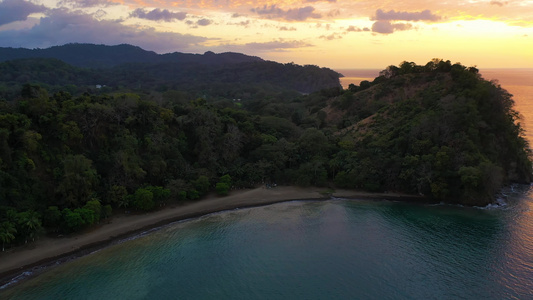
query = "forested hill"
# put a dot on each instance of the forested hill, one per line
(79, 68)
(103, 56)
(437, 130)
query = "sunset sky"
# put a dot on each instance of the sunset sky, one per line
(328, 33)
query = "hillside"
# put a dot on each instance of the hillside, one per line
(79, 68)
(66, 161)
(103, 56)
(439, 130)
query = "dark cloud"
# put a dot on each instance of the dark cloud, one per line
(17, 10)
(387, 27)
(293, 14)
(357, 29)
(393, 15)
(241, 23)
(158, 15)
(331, 37)
(285, 28)
(498, 3)
(204, 22)
(334, 13)
(62, 27)
(87, 3)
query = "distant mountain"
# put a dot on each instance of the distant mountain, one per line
(126, 67)
(102, 56)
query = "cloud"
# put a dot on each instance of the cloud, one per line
(387, 27)
(331, 1)
(241, 23)
(352, 28)
(293, 14)
(62, 26)
(393, 15)
(158, 15)
(17, 10)
(331, 37)
(87, 3)
(498, 3)
(204, 22)
(279, 45)
(285, 28)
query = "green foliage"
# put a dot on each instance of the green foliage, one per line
(344, 180)
(94, 206)
(182, 195)
(225, 179)
(87, 215)
(222, 188)
(72, 220)
(202, 185)
(116, 195)
(107, 211)
(438, 130)
(160, 194)
(445, 133)
(193, 195)
(143, 199)
(79, 180)
(7, 233)
(30, 224)
(52, 217)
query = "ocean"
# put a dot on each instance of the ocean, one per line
(335, 249)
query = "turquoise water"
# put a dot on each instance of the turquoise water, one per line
(337, 249)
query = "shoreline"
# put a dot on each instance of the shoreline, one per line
(48, 251)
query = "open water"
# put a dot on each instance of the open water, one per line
(336, 249)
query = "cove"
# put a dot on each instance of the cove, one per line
(336, 249)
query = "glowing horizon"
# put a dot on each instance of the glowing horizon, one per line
(329, 33)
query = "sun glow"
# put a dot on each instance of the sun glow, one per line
(341, 33)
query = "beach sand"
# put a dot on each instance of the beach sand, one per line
(45, 249)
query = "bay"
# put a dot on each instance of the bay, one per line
(336, 249)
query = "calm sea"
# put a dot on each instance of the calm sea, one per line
(337, 249)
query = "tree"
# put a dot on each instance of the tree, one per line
(52, 217)
(88, 216)
(79, 180)
(107, 211)
(225, 179)
(30, 222)
(95, 206)
(72, 220)
(7, 233)
(116, 195)
(143, 199)
(222, 188)
(160, 194)
(202, 185)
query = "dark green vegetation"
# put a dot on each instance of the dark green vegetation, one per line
(79, 68)
(68, 159)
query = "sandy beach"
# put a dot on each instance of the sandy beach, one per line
(45, 250)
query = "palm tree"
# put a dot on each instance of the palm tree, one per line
(31, 222)
(7, 233)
